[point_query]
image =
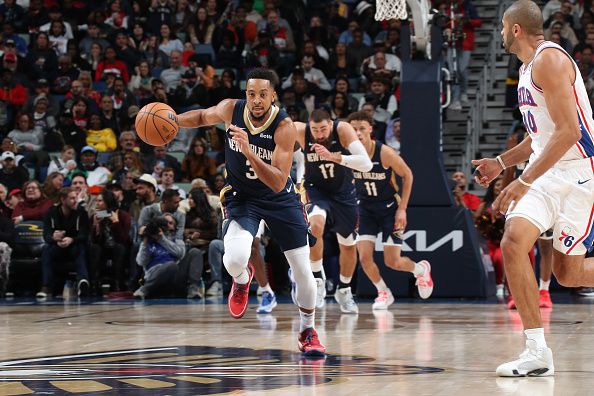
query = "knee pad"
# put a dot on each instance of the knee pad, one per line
(306, 285)
(238, 248)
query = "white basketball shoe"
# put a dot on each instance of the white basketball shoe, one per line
(533, 362)
(344, 298)
(425, 282)
(383, 301)
(321, 292)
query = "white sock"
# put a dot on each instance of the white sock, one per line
(316, 266)
(536, 335)
(381, 285)
(307, 320)
(346, 279)
(267, 288)
(243, 278)
(544, 285)
(419, 270)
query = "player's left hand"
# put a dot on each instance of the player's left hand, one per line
(240, 136)
(400, 223)
(324, 154)
(509, 197)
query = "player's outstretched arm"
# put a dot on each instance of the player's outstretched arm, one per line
(221, 113)
(358, 159)
(555, 73)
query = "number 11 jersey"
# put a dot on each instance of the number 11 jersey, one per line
(379, 184)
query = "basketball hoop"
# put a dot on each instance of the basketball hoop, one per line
(390, 9)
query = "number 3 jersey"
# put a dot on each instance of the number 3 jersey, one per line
(536, 115)
(327, 176)
(378, 186)
(240, 176)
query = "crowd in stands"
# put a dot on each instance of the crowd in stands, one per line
(73, 76)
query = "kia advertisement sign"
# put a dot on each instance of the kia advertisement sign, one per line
(446, 237)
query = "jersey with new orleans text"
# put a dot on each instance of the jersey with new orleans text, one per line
(327, 176)
(377, 185)
(240, 176)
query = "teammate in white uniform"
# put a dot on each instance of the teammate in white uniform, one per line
(556, 189)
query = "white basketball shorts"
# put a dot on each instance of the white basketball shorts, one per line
(562, 200)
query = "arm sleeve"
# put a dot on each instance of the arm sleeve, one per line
(358, 160)
(299, 158)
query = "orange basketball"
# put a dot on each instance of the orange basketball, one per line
(156, 124)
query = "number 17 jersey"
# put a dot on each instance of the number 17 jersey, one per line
(327, 176)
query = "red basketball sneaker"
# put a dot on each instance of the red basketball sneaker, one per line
(545, 299)
(238, 297)
(310, 344)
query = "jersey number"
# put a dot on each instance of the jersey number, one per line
(529, 122)
(371, 189)
(327, 170)
(250, 174)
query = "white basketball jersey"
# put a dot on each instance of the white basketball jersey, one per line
(536, 116)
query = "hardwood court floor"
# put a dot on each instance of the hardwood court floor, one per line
(181, 348)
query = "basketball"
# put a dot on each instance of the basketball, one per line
(156, 124)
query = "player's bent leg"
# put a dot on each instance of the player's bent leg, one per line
(421, 270)
(384, 298)
(238, 243)
(308, 341)
(537, 359)
(348, 262)
(571, 271)
(365, 249)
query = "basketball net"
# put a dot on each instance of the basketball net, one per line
(390, 9)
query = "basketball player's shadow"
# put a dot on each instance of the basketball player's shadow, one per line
(533, 386)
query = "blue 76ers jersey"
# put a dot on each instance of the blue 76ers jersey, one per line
(240, 176)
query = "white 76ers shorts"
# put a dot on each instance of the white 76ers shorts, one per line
(562, 200)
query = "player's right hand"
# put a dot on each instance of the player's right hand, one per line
(487, 169)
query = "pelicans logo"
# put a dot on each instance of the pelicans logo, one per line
(186, 369)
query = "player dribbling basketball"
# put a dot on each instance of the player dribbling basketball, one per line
(259, 146)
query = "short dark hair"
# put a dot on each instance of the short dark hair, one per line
(360, 116)
(169, 194)
(263, 74)
(63, 192)
(527, 14)
(168, 169)
(319, 115)
(78, 174)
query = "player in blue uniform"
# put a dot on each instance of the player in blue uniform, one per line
(382, 210)
(259, 142)
(331, 151)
